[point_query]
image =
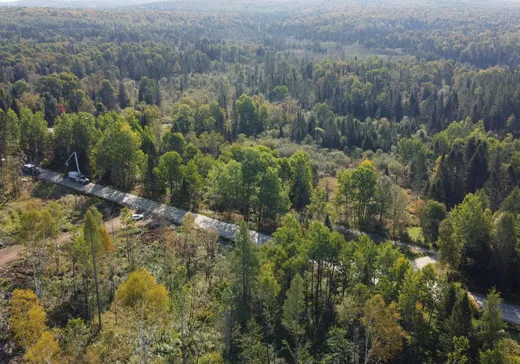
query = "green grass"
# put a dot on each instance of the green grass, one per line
(415, 233)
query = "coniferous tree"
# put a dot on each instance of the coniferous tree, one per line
(459, 323)
(122, 96)
(293, 319)
(491, 324)
(245, 266)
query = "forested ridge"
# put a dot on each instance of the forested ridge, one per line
(313, 125)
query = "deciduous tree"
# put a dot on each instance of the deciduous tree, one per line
(169, 172)
(383, 334)
(118, 155)
(27, 319)
(98, 241)
(36, 230)
(45, 350)
(430, 217)
(147, 302)
(467, 234)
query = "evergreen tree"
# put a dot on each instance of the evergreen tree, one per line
(491, 324)
(293, 319)
(477, 169)
(459, 323)
(245, 266)
(299, 128)
(302, 179)
(122, 96)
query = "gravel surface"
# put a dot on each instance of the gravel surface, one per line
(510, 311)
(150, 207)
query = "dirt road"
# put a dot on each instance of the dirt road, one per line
(12, 253)
(9, 254)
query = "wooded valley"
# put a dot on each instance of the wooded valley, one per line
(351, 134)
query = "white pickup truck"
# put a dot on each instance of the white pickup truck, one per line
(78, 177)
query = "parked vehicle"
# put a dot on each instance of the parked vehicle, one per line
(31, 169)
(78, 177)
(137, 217)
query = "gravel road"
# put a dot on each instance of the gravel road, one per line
(150, 207)
(510, 312)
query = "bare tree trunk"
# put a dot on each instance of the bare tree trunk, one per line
(296, 349)
(74, 277)
(96, 281)
(85, 284)
(40, 273)
(244, 277)
(57, 255)
(127, 246)
(366, 348)
(35, 278)
(331, 280)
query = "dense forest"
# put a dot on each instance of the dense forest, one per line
(360, 138)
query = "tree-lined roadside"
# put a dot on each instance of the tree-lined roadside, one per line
(510, 312)
(150, 207)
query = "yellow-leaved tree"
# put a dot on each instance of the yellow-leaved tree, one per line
(145, 302)
(45, 350)
(27, 319)
(27, 323)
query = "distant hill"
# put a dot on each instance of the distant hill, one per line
(268, 6)
(75, 3)
(271, 6)
(301, 5)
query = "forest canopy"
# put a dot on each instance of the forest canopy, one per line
(362, 139)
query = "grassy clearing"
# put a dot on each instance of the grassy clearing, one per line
(415, 233)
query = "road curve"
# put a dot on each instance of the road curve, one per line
(510, 312)
(150, 207)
